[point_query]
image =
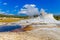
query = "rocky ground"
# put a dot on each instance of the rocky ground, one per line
(36, 34)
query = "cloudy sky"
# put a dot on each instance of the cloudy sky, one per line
(14, 6)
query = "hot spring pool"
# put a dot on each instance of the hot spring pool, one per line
(7, 28)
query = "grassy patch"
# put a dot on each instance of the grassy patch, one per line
(10, 19)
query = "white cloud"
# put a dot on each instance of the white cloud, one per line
(30, 9)
(23, 12)
(29, 5)
(4, 3)
(33, 5)
(2, 12)
(26, 5)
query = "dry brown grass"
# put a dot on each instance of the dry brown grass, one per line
(10, 19)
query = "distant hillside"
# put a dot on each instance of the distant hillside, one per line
(14, 16)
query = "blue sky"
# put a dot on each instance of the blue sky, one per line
(14, 6)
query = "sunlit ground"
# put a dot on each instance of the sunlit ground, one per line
(37, 34)
(30, 33)
(10, 19)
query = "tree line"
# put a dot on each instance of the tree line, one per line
(57, 17)
(13, 16)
